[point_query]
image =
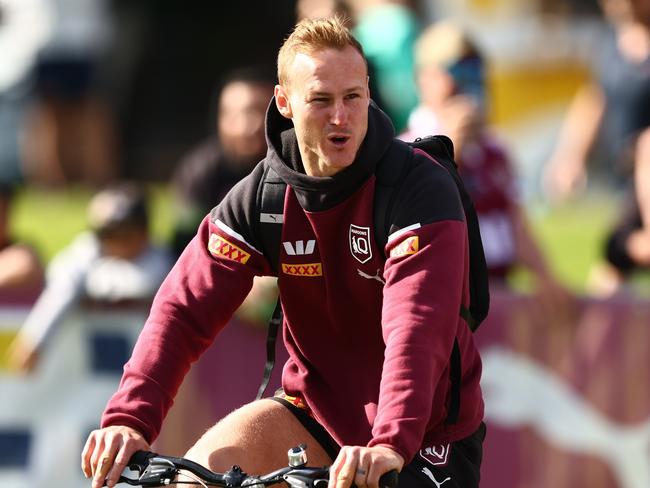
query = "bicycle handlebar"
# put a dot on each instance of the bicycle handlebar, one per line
(155, 470)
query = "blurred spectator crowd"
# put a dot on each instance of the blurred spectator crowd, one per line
(69, 113)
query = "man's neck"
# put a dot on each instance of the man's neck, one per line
(314, 166)
(318, 169)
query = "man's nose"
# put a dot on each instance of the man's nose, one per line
(339, 113)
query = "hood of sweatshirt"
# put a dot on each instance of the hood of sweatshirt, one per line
(321, 193)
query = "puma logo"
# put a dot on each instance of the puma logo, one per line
(519, 391)
(372, 277)
(433, 478)
(269, 218)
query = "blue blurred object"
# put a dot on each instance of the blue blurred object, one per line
(469, 77)
(14, 447)
(108, 352)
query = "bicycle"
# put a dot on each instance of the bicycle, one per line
(154, 470)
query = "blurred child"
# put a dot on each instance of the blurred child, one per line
(451, 77)
(114, 261)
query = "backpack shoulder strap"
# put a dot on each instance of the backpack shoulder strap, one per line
(271, 338)
(441, 148)
(391, 172)
(270, 206)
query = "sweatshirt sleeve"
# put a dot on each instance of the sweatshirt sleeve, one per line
(426, 275)
(196, 300)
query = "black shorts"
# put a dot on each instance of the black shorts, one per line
(616, 243)
(455, 465)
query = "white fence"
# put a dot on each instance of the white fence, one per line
(45, 416)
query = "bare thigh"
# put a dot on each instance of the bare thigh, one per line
(256, 437)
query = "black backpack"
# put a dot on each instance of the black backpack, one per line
(391, 172)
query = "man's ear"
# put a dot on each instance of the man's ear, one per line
(368, 88)
(282, 101)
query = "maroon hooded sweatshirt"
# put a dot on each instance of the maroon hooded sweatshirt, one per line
(369, 338)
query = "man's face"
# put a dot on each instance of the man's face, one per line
(242, 108)
(327, 98)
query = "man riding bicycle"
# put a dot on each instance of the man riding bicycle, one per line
(367, 385)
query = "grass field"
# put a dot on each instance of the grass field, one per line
(49, 219)
(570, 235)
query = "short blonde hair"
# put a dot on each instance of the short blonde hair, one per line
(311, 35)
(444, 44)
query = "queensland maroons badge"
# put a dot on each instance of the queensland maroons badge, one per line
(436, 455)
(360, 243)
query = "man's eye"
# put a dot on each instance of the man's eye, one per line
(352, 96)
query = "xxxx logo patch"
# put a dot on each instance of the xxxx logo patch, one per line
(410, 245)
(219, 246)
(311, 269)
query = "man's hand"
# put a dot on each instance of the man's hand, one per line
(107, 451)
(363, 466)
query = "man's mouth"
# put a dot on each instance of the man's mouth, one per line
(339, 140)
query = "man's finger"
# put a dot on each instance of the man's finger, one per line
(374, 473)
(336, 467)
(344, 479)
(111, 447)
(85, 455)
(96, 452)
(347, 472)
(121, 460)
(105, 463)
(361, 476)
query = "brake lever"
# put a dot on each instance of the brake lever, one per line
(159, 472)
(307, 478)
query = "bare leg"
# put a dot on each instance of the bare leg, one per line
(256, 437)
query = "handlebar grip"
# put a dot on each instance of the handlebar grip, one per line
(389, 480)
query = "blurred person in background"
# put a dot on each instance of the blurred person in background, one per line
(609, 119)
(387, 30)
(113, 262)
(213, 167)
(70, 133)
(229, 153)
(24, 27)
(451, 79)
(322, 9)
(21, 270)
